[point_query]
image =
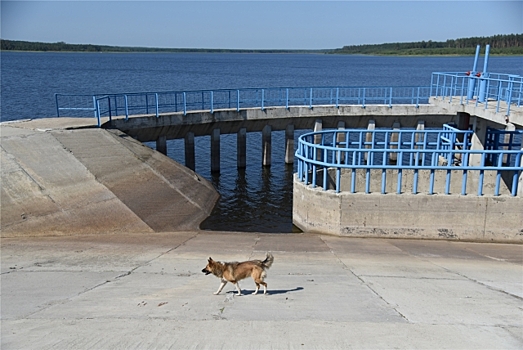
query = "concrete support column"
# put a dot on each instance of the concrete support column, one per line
(340, 139)
(394, 137)
(289, 144)
(419, 137)
(190, 161)
(161, 144)
(479, 126)
(509, 127)
(368, 136)
(463, 120)
(318, 126)
(241, 148)
(215, 151)
(266, 145)
(463, 124)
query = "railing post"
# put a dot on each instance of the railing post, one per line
(262, 98)
(57, 109)
(109, 107)
(238, 100)
(431, 83)
(287, 99)
(97, 112)
(94, 108)
(390, 98)
(156, 101)
(337, 97)
(310, 99)
(212, 102)
(184, 103)
(126, 107)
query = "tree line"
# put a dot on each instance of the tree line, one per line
(510, 44)
(16, 45)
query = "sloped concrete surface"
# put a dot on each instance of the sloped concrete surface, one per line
(89, 180)
(146, 291)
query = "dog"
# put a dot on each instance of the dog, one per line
(235, 271)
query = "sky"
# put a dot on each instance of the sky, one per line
(255, 24)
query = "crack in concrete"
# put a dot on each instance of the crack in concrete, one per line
(120, 276)
(365, 283)
(481, 283)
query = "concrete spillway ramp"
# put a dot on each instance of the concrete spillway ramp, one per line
(63, 182)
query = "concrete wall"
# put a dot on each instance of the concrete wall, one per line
(454, 217)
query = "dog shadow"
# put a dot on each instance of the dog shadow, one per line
(273, 291)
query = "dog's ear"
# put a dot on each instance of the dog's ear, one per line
(210, 259)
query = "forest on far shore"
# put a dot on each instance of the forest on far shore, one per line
(510, 44)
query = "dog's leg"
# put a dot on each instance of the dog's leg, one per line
(264, 287)
(224, 282)
(237, 284)
(257, 289)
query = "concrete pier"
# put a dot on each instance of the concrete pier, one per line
(266, 146)
(161, 145)
(241, 148)
(190, 155)
(289, 144)
(215, 151)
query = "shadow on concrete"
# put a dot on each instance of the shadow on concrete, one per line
(269, 292)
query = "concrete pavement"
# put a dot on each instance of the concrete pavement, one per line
(146, 291)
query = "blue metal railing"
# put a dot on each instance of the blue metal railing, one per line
(444, 150)
(156, 103)
(492, 90)
(503, 139)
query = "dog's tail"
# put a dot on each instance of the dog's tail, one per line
(267, 263)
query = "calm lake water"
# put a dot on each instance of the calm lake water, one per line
(256, 199)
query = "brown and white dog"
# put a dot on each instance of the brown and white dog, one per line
(235, 271)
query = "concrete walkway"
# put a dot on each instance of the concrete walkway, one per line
(146, 291)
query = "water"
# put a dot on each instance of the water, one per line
(257, 198)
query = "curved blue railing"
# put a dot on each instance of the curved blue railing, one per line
(444, 150)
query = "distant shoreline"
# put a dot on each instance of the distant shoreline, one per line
(501, 45)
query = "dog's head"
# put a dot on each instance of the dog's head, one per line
(209, 268)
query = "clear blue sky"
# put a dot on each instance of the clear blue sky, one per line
(255, 24)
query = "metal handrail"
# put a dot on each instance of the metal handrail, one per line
(468, 88)
(415, 153)
(156, 103)
(479, 88)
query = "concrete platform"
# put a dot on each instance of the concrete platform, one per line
(146, 291)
